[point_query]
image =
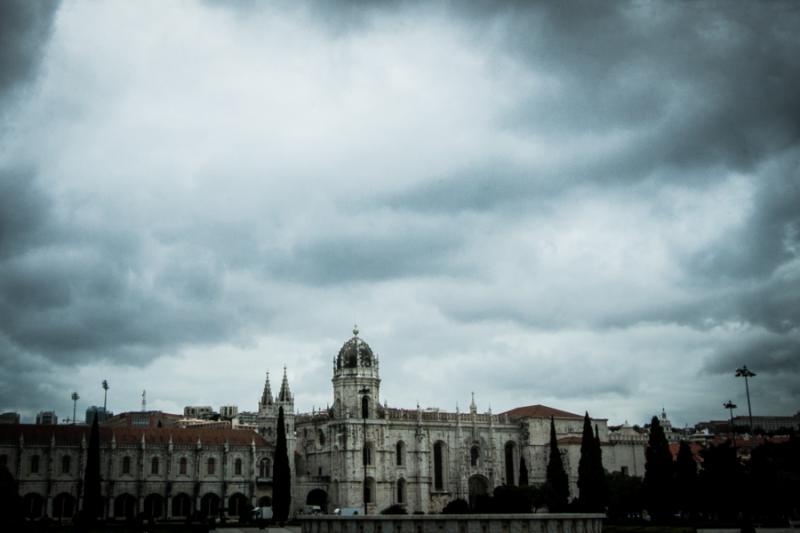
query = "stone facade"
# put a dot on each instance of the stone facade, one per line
(166, 472)
(422, 459)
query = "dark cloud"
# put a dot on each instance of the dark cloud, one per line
(371, 255)
(770, 235)
(24, 30)
(696, 86)
(766, 353)
(24, 211)
(77, 292)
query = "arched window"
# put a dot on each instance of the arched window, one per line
(211, 467)
(365, 407)
(474, 455)
(237, 467)
(265, 468)
(510, 463)
(32, 505)
(34, 464)
(66, 461)
(321, 437)
(63, 506)
(181, 505)
(154, 465)
(182, 466)
(401, 490)
(126, 465)
(368, 454)
(400, 453)
(438, 465)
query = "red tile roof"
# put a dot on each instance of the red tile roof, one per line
(539, 411)
(73, 435)
(694, 447)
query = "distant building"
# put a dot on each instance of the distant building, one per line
(198, 411)
(143, 419)
(228, 411)
(203, 423)
(9, 418)
(46, 418)
(769, 424)
(246, 420)
(102, 414)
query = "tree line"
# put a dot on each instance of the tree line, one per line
(717, 488)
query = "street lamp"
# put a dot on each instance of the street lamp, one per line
(364, 414)
(75, 399)
(730, 406)
(105, 397)
(745, 373)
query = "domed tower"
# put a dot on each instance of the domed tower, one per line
(356, 381)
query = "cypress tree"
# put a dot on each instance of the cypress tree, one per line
(592, 487)
(92, 497)
(523, 472)
(10, 502)
(281, 475)
(557, 484)
(658, 471)
(586, 469)
(686, 479)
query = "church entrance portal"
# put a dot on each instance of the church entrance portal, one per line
(478, 493)
(318, 497)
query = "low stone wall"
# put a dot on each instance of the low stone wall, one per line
(460, 523)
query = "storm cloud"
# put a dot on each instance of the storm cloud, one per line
(595, 207)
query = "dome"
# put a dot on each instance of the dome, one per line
(354, 353)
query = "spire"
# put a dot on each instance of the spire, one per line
(285, 395)
(472, 407)
(266, 396)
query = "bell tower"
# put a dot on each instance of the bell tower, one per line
(356, 380)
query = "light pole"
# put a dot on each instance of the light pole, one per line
(745, 373)
(730, 406)
(75, 399)
(105, 397)
(364, 414)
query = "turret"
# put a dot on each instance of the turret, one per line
(266, 396)
(285, 395)
(356, 380)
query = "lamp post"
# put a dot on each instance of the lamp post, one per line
(364, 414)
(730, 406)
(75, 399)
(105, 397)
(745, 373)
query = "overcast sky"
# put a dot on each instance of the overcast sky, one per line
(592, 206)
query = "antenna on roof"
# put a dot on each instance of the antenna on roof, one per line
(144, 401)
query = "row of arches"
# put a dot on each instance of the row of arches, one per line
(155, 505)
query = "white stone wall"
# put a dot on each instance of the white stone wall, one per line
(334, 463)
